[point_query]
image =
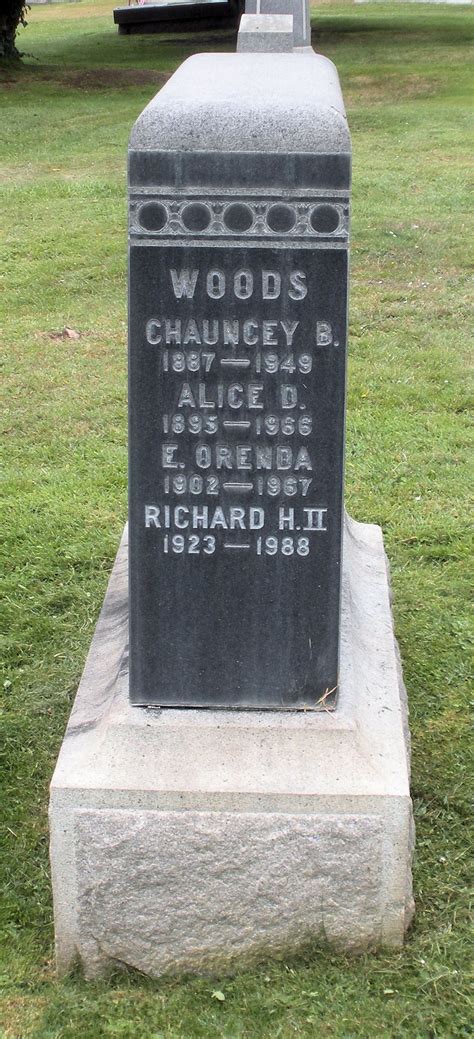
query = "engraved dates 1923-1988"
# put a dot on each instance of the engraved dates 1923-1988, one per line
(237, 378)
(236, 419)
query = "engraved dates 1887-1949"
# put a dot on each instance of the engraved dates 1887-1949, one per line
(237, 372)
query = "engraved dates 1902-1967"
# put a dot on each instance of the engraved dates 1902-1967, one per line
(255, 368)
(237, 362)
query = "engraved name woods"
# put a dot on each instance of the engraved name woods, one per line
(229, 378)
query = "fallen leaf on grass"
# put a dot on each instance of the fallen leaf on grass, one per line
(218, 995)
(67, 333)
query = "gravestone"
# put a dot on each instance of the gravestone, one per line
(177, 16)
(299, 9)
(287, 797)
(238, 313)
(265, 32)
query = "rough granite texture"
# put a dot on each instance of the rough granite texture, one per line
(275, 103)
(265, 32)
(175, 898)
(192, 838)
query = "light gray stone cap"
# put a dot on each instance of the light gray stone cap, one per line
(265, 32)
(247, 103)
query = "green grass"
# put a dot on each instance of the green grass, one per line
(65, 119)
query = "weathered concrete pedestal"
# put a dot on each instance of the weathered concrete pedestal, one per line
(193, 839)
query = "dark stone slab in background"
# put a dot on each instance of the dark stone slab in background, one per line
(238, 298)
(198, 16)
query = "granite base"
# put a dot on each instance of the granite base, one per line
(196, 840)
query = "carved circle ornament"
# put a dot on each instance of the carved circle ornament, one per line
(255, 218)
(153, 216)
(281, 218)
(196, 216)
(325, 219)
(238, 217)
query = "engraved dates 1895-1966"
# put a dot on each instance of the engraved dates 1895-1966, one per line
(238, 373)
(236, 423)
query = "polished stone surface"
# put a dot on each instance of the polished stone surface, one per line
(177, 16)
(238, 315)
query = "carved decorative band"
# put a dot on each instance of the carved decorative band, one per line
(200, 217)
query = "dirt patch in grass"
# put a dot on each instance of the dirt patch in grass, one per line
(375, 89)
(83, 79)
(102, 79)
(20, 1012)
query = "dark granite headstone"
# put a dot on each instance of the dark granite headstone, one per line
(195, 16)
(238, 299)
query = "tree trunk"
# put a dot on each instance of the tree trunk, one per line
(11, 17)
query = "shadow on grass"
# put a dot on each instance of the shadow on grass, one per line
(388, 26)
(99, 78)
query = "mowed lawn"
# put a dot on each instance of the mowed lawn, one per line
(64, 122)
